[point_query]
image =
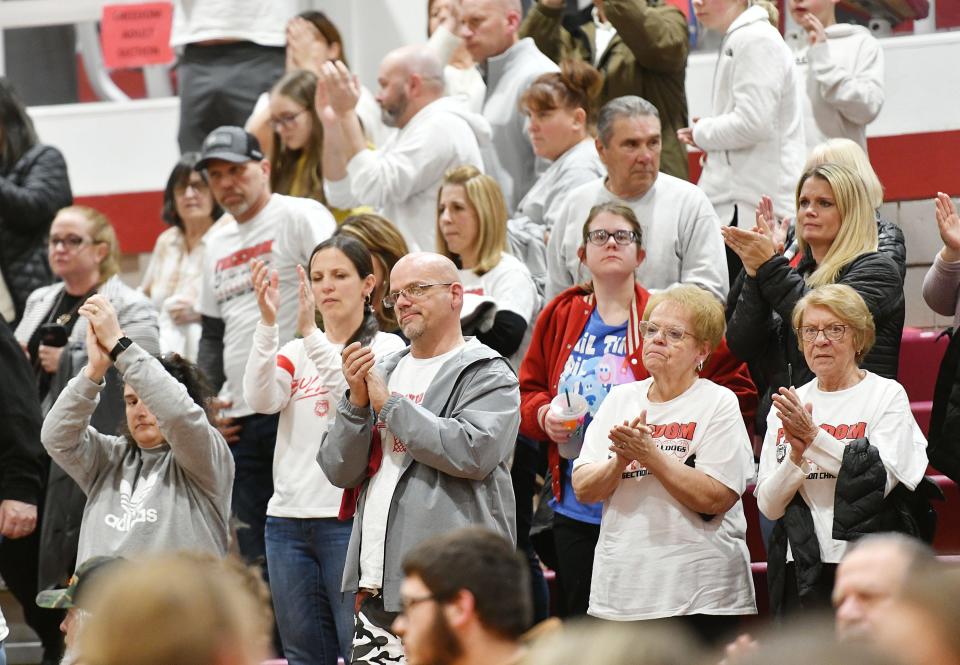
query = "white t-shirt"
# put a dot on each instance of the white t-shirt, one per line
(875, 408)
(411, 378)
(4, 631)
(512, 288)
(283, 234)
(655, 557)
(263, 23)
(303, 382)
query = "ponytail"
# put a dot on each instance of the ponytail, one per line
(368, 329)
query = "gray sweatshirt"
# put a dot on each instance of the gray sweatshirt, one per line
(172, 497)
(460, 441)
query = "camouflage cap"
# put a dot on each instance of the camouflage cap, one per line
(70, 596)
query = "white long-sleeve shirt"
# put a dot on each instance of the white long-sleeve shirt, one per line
(303, 382)
(875, 408)
(841, 84)
(754, 135)
(402, 178)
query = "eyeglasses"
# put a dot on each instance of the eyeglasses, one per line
(406, 604)
(70, 243)
(198, 186)
(833, 332)
(599, 237)
(285, 120)
(673, 334)
(411, 292)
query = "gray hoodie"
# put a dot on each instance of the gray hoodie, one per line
(460, 441)
(172, 497)
(508, 76)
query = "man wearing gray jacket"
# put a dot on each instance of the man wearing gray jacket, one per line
(426, 435)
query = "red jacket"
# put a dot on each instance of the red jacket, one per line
(558, 329)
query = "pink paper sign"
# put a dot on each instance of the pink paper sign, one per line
(136, 35)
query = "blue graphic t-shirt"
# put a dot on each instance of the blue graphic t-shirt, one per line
(596, 364)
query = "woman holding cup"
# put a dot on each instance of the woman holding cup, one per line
(586, 341)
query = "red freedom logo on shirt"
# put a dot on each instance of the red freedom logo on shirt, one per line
(671, 438)
(841, 432)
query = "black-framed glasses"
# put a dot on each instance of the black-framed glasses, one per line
(673, 334)
(833, 332)
(406, 604)
(70, 242)
(411, 292)
(599, 237)
(285, 120)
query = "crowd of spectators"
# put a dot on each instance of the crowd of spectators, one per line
(402, 356)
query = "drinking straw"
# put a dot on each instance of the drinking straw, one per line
(566, 392)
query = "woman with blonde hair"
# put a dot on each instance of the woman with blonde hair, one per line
(836, 451)
(387, 246)
(848, 153)
(837, 241)
(177, 609)
(472, 232)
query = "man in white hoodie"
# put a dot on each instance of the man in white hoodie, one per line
(841, 73)
(402, 178)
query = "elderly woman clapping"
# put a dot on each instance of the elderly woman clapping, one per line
(834, 448)
(669, 456)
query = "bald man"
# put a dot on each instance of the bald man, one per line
(490, 31)
(426, 436)
(400, 178)
(872, 573)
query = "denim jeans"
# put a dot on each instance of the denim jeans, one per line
(253, 482)
(305, 558)
(3, 654)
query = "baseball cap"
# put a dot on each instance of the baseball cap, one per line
(231, 144)
(69, 597)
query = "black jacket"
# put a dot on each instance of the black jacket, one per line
(859, 509)
(760, 331)
(22, 458)
(943, 440)
(31, 193)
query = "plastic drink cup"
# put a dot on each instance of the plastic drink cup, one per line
(571, 409)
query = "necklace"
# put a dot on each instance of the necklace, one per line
(67, 317)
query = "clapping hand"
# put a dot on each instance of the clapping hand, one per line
(797, 418)
(228, 427)
(103, 332)
(266, 284)
(754, 246)
(632, 441)
(341, 89)
(357, 362)
(949, 224)
(306, 305)
(303, 37)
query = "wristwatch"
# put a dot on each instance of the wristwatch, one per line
(122, 345)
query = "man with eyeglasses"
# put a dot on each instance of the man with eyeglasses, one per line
(465, 598)
(282, 231)
(426, 436)
(402, 177)
(681, 232)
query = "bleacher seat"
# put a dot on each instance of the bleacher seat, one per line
(920, 354)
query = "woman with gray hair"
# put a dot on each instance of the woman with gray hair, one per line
(848, 436)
